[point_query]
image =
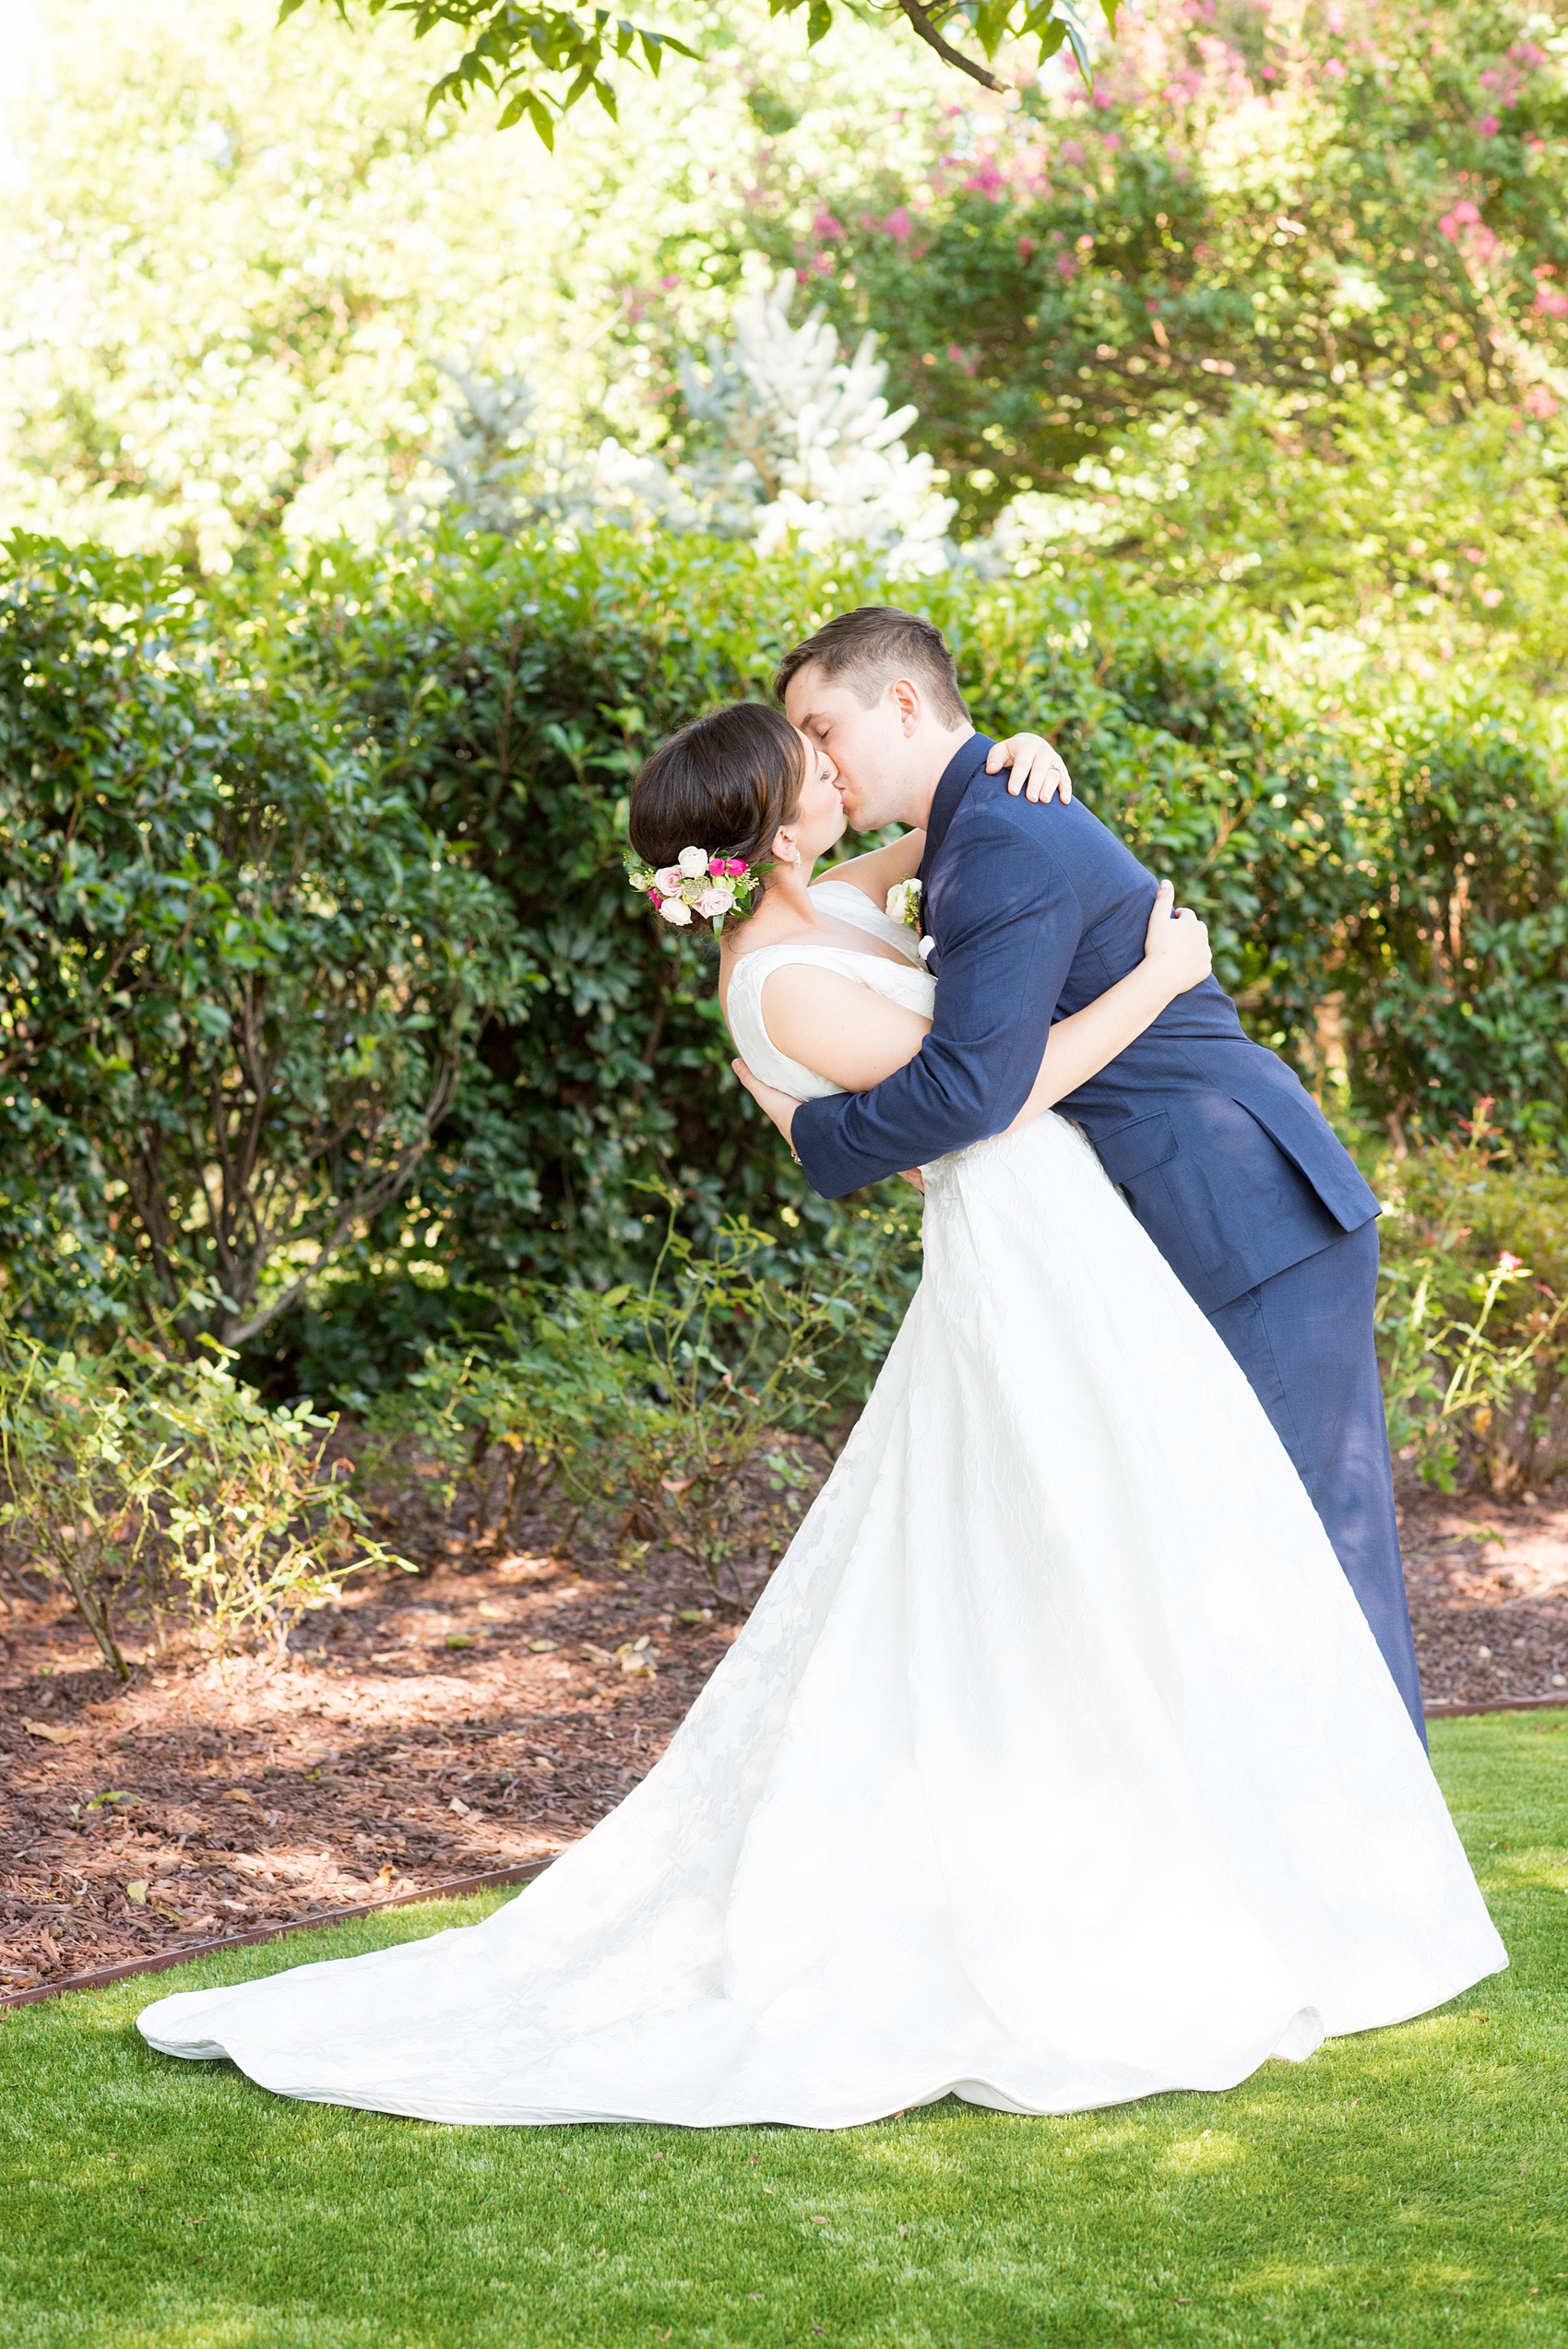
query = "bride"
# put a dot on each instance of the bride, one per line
(1056, 1765)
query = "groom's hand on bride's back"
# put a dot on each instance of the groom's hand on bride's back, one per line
(1038, 771)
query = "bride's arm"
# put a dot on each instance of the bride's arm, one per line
(856, 1037)
(848, 1033)
(1037, 772)
(1176, 957)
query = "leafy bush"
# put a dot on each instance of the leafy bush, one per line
(660, 1414)
(1473, 1312)
(242, 974)
(1455, 966)
(256, 1522)
(514, 689)
(1383, 876)
(78, 1482)
(137, 1481)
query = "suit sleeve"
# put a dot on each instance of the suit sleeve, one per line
(1010, 926)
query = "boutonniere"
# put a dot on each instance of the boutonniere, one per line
(904, 903)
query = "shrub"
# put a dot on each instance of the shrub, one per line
(255, 1518)
(1473, 1312)
(513, 690)
(243, 973)
(662, 1414)
(1382, 880)
(136, 1480)
(1454, 966)
(78, 1482)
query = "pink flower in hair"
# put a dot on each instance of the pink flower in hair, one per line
(668, 879)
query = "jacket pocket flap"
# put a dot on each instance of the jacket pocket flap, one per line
(1134, 1149)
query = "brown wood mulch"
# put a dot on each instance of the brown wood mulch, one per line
(1488, 1581)
(477, 1718)
(480, 1718)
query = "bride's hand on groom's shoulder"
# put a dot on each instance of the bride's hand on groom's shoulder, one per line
(1176, 943)
(1039, 772)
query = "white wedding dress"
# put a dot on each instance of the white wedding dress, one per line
(1056, 1765)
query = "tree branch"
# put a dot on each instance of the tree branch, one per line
(932, 38)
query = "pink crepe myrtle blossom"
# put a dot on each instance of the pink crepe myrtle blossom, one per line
(985, 180)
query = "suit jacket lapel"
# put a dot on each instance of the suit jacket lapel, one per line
(957, 778)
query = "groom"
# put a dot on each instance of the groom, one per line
(1029, 913)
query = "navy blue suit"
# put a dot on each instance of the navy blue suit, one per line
(1225, 1158)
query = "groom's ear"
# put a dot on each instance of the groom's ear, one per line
(905, 695)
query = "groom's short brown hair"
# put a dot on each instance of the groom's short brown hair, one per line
(869, 648)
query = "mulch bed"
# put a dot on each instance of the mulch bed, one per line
(478, 1717)
(481, 1717)
(1489, 1596)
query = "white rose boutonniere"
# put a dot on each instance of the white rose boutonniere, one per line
(904, 903)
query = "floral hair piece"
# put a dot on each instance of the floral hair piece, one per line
(697, 883)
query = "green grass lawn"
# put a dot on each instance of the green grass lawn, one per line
(1408, 2187)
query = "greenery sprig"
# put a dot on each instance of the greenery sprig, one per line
(511, 45)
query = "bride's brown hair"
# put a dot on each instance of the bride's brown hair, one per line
(725, 783)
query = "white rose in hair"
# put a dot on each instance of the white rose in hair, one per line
(676, 911)
(716, 900)
(667, 880)
(694, 864)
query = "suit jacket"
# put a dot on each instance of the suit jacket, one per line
(1227, 1161)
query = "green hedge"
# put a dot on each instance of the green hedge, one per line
(1405, 859)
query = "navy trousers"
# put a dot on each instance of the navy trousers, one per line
(1304, 1339)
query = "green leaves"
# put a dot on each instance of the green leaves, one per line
(659, 1412)
(540, 61)
(1472, 1307)
(243, 972)
(133, 1478)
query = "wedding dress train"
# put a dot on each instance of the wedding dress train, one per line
(1055, 1766)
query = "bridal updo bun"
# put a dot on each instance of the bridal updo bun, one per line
(724, 784)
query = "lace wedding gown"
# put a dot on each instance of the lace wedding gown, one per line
(1055, 1766)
